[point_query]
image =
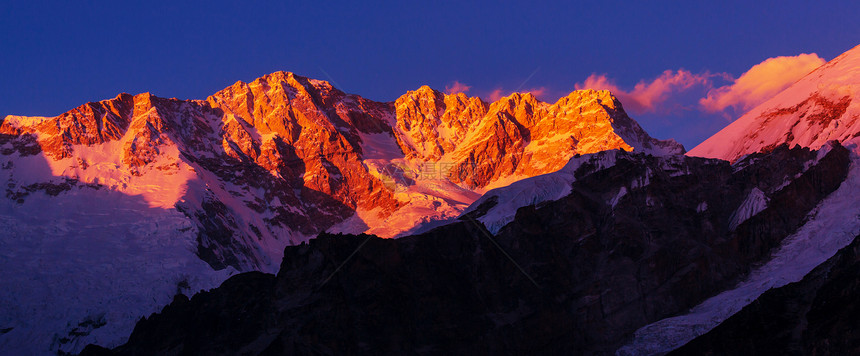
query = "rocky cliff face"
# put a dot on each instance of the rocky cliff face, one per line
(633, 242)
(431, 124)
(523, 137)
(214, 166)
(264, 164)
(156, 185)
(818, 315)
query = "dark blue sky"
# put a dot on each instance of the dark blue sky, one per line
(58, 55)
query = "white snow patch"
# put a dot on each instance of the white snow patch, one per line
(755, 202)
(534, 190)
(621, 193)
(429, 203)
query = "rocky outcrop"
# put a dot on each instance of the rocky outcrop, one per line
(303, 128)
(431, 124)
(818, 315)
(629, 245)
(88, 124)
(521, 136)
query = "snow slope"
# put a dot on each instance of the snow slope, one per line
(554, 186)
(432, 201)
(534, 190)
(83, 266)
(88, 248)
(754, 204)
(832, 226)
(818, 108)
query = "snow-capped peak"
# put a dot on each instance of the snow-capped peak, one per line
(817, 108)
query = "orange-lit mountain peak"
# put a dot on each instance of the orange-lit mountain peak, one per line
(310, 142)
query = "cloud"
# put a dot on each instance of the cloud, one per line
(692, 106)
(499, 93)
(457, 87)
(681, 91)
(538, 92)
(761, 82)
(648, 96)
(495, 94)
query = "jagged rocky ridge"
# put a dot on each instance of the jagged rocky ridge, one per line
(113, 207)
(815, 110)
(598, 263)
(273, 162)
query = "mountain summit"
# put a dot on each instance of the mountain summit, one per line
(127, 201)
(817, 108)
(278, 160)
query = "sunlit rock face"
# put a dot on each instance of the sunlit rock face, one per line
(264, 164)
(522, 137)
(577, 232)
(177, 195)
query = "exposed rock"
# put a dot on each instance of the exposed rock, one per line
(431, 124)
(285, 157)
(575, 275)
(815, 316)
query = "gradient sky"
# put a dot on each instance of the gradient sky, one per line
(57, 55)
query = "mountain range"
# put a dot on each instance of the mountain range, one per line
(518, 225)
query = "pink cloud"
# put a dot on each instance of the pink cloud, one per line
(499, 93)
(457, 87)
(538, 92)
(761, 82)
(682, 90)
(496, 94)
(647, 96)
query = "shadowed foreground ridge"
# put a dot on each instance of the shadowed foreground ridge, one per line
(603, 265)
(818, 315)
